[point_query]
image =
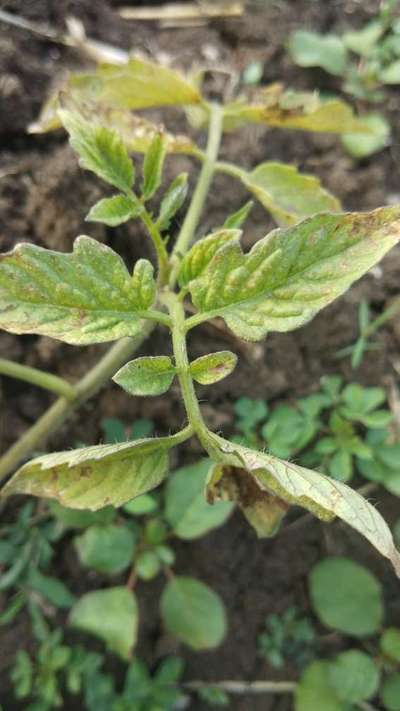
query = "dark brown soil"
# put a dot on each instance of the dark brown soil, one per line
(44, 197)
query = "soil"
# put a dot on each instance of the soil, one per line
(44, 197)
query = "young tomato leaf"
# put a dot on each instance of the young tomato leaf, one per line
(138, 84)
(316, 492)
(236, 220)
(291, 274)
(112, 615)
(100, 149)
(287, 194)
(200, 255)
(114, 211)
(360, 145)
(93, 477)
(213, 367)
(354, 676)
(186, 509)
(193, 613)
(87, 296)
(150, 375)
(172, 201)
(263, 510)
(153, 165)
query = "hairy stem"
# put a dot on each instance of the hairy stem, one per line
(37, 377)
(206, 174)
(159, 245)
(190, 400)
(121, 351)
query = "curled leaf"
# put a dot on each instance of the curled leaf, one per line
(94, 477)
(264, 511)
(200, 255)
(323, 496)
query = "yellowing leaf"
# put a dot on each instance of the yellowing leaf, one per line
(146, 376)
(93, 477)
(291, 274)
(200, 255)
(275, 106)
(213, 367)
(323, 496)
(87, 296)
(138, 84)
(287, 194)
(136, 132)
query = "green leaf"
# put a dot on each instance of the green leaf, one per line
(238, 218)
(113, 211)
(316, 492)
(83, 297)
(287, 194)
(213, 367)
(150, 375)
(291, 274)
(363, 41)
(193, 613)
(172, 201)
(390, 643)
(195, 261)
(263, 511)
(346, 597)
(390, 692)
(93, 477)
(186, 508)
(153, 166)
(107, 549)
(141, 506)
(310, 49)
(250, 413)
(391, 73)
(50, 588)
(138, 84)
(354, 676)
(315, 692)
(111, 615)
(147, 565)
(361, 145)
(100, 149)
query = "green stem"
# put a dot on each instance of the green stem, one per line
(121, 351)
(195, 418)
(37, 377)
(245, 687)
(231, 169)
(159, 245)
(206, 174)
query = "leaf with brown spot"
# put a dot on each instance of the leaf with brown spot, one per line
(93, 477)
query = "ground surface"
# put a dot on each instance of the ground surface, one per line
(44, 197)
